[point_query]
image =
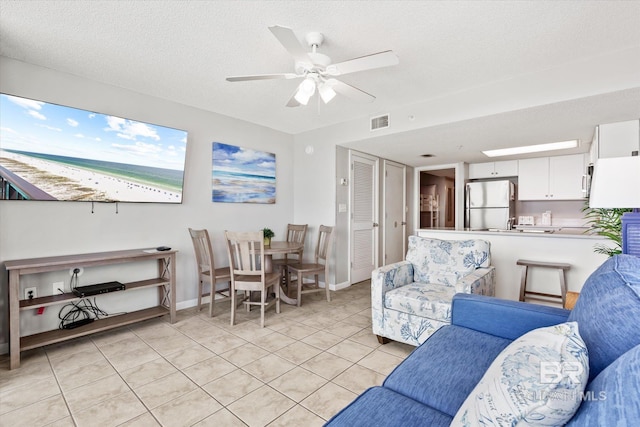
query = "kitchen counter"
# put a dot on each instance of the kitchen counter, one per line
(570, 232)
(569, 245)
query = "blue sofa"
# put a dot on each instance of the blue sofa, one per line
(429, 387)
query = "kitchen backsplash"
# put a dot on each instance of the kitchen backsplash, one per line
(563, 213)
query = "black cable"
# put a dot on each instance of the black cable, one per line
(80, 310)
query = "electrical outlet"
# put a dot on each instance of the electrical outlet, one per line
(30, 293)
(76, 271)
(58, 288)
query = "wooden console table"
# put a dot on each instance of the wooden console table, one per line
(165, 282)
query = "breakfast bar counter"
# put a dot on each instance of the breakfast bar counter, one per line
(567, 245)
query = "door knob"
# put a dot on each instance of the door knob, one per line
(375, 224)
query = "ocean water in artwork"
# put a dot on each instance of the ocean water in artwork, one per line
(242, 175)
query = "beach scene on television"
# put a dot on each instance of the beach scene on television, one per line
(242, 175)
(53, 152)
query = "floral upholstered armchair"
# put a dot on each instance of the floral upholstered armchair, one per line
(411, 299)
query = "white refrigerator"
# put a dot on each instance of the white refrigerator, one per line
(490, 205)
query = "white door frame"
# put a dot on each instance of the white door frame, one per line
(461, 176)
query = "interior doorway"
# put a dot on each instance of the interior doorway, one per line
(437, 198)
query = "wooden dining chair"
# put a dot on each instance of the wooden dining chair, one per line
(205, 264)
(295, 233)
(246, 260)
(319, 266)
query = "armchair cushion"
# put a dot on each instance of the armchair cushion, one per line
(446, 261)
(429, 300)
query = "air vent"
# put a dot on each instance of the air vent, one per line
(380, 122)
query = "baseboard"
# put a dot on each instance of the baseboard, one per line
(194, 302)
(339, 286)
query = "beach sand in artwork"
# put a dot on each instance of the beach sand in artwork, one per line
(73, 183)
(242, 191)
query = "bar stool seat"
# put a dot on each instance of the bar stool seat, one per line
(540, 296)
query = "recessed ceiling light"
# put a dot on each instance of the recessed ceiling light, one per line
(532, 148)
(427, 155)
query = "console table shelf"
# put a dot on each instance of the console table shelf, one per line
(29, 304)
(59, 335)
(165, 282)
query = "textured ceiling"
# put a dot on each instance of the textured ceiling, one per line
(182, 51)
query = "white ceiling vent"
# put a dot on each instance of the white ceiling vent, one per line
(380, 122)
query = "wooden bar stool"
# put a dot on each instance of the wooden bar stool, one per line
(540, 296)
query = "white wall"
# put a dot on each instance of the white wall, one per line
(34, 229)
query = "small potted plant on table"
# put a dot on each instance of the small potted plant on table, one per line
(267, 234)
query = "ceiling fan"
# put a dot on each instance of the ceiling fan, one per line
(317, 70)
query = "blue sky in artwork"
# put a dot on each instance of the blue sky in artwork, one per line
(40, 127)
(231, 158)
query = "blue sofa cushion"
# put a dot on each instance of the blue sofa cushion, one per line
(503, 318)
(612, 395)
(442, 372)
(379, 406)
(608, 310)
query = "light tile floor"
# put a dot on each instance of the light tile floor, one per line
(301, 369)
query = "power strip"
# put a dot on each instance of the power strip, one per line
(77, 323)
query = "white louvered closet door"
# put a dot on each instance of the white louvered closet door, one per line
(364, 216)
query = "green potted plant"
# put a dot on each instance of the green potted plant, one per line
(267, 234)
(606, 223)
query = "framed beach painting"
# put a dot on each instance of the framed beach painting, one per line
(242, 175)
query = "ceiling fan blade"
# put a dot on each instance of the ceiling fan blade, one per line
(293, 102)
(350, 91)
(264, 77)
(288, 39)
(376, 60)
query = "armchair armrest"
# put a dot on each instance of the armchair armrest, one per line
(481, 281)
(503, 318)
(389, 277)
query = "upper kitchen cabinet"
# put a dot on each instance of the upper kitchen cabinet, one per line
(493, 169)
(552, 178)
(621, 139)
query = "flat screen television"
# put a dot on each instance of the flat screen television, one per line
(53, 152)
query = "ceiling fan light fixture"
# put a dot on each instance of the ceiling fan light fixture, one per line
(306, 89)
(326, 92)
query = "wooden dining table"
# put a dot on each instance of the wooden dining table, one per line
(276, 248)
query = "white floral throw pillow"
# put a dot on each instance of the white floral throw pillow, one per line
(538, 380)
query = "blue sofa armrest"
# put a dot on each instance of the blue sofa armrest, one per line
(502, 318)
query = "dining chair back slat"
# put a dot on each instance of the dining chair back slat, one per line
(246, 259)
(207, 272)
